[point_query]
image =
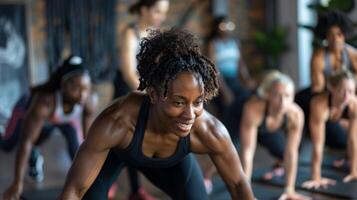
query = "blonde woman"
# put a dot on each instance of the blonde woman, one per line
(273, 119)
(333, 121)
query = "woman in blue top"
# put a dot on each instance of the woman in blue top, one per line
(234, 79)
(224, 51)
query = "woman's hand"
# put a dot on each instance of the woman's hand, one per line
(13, 192)
(350, 177)
(317, 183)
(293, 196)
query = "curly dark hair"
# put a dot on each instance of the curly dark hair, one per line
(165, 54)
(330, 19)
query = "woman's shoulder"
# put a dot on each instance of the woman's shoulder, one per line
(124, 108)
(208, 126)
(295, 112)
(117, 122)
(129, 31)
(319, 101)
(44, 98)
(255, 104)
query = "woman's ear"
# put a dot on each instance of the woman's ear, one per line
(152, 95)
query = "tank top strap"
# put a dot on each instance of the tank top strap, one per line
(328, 67)
(346, 59)
(140, 125)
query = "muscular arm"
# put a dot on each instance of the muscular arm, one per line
(213, 139)
(89, 111)
(228, 165)
(352, 142)
(128, 59)
(35, 117)
(317, 73)
(317, 131)
(91, 156)
(296, 121)
(248, 139)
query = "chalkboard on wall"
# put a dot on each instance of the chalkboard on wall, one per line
(13, 56)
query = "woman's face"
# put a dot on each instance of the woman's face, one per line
(281, 96)
(344, 91)
(77, 89)
(156, 14)
(183, 104)
(335, 38)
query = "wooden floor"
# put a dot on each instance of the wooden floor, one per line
(57, 163)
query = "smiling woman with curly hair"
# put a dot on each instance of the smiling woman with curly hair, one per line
(156, 131)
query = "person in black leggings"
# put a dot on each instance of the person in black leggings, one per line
(275, 121)
(150, 15)
(157, 131)
(65, 102)
(333, 121)
(333, 28)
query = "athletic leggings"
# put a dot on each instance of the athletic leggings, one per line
(274, 142)
(12, 135)
(182, 181)
(336, 135)
(121, 88)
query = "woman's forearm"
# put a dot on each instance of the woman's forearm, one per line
(22, 155)
(247, 163)
(316, 161)
(290, 165)
(352, 152)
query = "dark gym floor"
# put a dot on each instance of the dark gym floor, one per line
(57, 163)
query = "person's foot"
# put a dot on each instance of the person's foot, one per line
(113, 191)
(276, 172)
(208, 185)
(36, 167)
(339, 163)
(141, 194)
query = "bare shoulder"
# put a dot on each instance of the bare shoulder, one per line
(117, 121)
(295, 111)
(253, 109)
(295, 115)
(351, 50)
(317, 58)
(128, 33)
(352, 53)
(208, 134)
(319, 104)
(319, 100)
(209, 125)
(43, 103)
(353, 107)
(318, 53)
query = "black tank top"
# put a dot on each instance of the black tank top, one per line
(263, 129)
(133, 154)
(345, 112)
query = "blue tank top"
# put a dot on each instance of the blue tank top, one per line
(227, 57)
(346, 62)
(133, 154)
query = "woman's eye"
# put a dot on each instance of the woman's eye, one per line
(178, 103)
(198, 103)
